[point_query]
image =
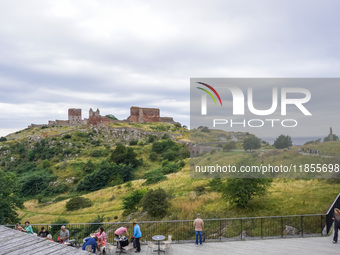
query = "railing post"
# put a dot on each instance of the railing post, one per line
(321, 225)
(241, 229)
(220, 230)
(282, 227)
(261, 227)
(301, 225)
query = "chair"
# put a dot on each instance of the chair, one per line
(129, 247)
(169, 241)
(151, 247)
(166, 247)
(88, 248)
(109, 248)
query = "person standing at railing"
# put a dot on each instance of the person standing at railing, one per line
(137, 235)
(199, 227)
(336, 219)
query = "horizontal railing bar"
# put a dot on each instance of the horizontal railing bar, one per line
(173, 221)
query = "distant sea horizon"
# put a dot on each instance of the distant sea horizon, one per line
(297, 141)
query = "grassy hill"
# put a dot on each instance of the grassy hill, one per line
(60, 156)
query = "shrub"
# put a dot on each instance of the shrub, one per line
(96, 153)
(124, 155)
(151, 138)
(199, 190)
(169, 155)
(67, 136)
(3, 139)
(131, 201)
(156, 202)
(155, 178)
(77, 203)
(133, 142)
(153, 156)
(107, 173)
(60, 198)
(89, 167)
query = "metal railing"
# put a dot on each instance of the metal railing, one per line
(215, 229)
(330, 213)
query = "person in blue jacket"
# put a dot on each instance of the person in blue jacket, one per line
(137, 234)
(91, 241)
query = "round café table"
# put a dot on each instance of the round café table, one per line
(119, 249)
(158, 238)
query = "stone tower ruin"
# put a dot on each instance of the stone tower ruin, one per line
(74, 116)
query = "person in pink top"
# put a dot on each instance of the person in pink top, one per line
(121, 231)
(101, 237)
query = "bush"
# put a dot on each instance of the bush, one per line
(124, 155)
(3, 139)
(131, 201)
(89, 167)
(156, 202)
(216, 184)
(155, 178)
(60, 198)
(107, 173)
(170, 155)
(67, 136)
(97, 153)
(199, 190)
(77, 203)
(151, 138)
(36, 184)
(153, 156)
(133, 142)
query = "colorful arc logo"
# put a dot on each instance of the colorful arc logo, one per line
(209, 93)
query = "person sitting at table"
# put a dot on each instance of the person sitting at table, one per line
(43, 232)
(64, 235)
(120, 231)
(101, 237)
(49, 237)
(91, 241)
(28, 229)
(18, 227)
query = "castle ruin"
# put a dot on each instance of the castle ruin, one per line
(137, 115)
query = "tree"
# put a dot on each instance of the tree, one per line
(251, 143)
(124, 155)
(241, 191)
(229, 146)
(77, 203)
(9, 198)
(327, 138)
(111, 116)
(156, 202)
(283, 142)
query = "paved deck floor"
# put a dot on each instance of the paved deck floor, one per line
(288, 246)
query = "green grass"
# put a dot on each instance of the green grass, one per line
(285, 197)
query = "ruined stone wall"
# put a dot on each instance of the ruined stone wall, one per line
(142, 115)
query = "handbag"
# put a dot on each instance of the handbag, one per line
(203, 237)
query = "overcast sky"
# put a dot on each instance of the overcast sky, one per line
(112, 55)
